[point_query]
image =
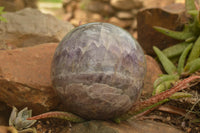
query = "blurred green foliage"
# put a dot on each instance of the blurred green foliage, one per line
(1, 12)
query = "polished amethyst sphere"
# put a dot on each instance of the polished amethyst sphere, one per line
(98, 71)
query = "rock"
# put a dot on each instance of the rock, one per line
(120, 23)
(30, 27)
(100, 7)
(4, 118)
(134, 34)
(124, 15)
(100, 0)
(122, 4)
(134, 25)
(15, 5)
(157, 3)
(4, 114)
(66, 2)
(138, 4)
(172, 18)
(124, 127)
(96, 17)
(30, 3)
(12, 5)
(68, 16)
(126, 4)
(153, 72)
(70, 7)
(25, 78)
(7, 129)
(82, 17)
(134, 12)
(77, 22)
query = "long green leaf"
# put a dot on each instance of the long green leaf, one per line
(182, 59)
(193, 66)
(164, 78)
(1, 9)
(180, 35)
(175, 50)
(190, 5)
(169, 67)
(195, 52)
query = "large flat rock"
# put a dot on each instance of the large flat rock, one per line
(30, 27)
(125, 127)
(25, 77)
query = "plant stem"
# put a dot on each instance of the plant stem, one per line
(136, 108)
(156, 99)
(58, 114)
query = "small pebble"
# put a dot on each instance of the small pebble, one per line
(183, 124)
(189, 130)
(168, 118)
(39, 126)
(47, 122)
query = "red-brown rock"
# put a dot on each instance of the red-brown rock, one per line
(15, 5)
(7, 129)
(25, 78)
(120, 23)
(124, 127)
(157, 3)
(4, 113)
(81, 17)
(171, 18)
(122, 4)
(153, 72)
(100, 7)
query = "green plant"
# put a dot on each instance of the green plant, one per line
(187, 52)
(190, 34)
(20, 122)
(2, 12)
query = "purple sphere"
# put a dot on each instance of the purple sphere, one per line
(98, 71)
